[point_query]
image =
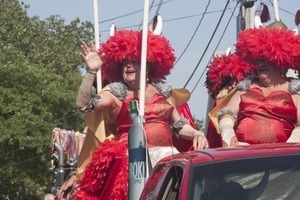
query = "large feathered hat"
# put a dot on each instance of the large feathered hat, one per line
(279, 47)
(125, 45)
(223, 69)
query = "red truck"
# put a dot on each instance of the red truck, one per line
(264, 171)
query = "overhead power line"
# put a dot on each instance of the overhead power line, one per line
(271, 3)
(190, 41)
(134, 12)
(167, 20)
(215, 48)
(150, 8)
(17, 163)
(207, 45)
(10, 152)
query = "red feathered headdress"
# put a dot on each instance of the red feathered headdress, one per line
(223, 69)
(127, 44)
(279, 47)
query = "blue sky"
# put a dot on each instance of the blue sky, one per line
(181, 25)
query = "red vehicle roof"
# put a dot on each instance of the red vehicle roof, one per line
(182, 168)
(218, 154)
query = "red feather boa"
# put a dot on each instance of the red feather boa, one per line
(106, 176)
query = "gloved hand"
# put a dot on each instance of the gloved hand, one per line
(226, 125)
(199, 139)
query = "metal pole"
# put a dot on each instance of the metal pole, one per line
(144, 59)
(97, 41)
(240, 23)
(248, 7)
(276, 12)
(59, 172)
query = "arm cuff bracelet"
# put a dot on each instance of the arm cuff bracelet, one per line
(226, 112)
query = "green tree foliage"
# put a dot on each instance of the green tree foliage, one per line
(39, 78)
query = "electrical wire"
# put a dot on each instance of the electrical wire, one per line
(271, 4)
(150, 8)
(216, 47)
(23, 161)
(6, 153)
(158, 7)
(128, 14)
(207, 45)
(190, 41)
(195, 15)
(168, 20)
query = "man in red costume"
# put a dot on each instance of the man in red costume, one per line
(224, 72)
(104, 175)
(264, 108)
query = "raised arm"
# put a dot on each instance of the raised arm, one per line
(86, 100)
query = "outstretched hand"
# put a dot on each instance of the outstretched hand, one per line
(67, 189)
(91, 57)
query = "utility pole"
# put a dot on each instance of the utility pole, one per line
(245, 17)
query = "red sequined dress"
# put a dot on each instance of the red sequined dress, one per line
(157, 115)
(266, 119)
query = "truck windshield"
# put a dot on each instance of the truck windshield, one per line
(275, 177)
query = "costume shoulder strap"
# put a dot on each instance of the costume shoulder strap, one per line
(294, 86)
(118, 89)
(163, 88)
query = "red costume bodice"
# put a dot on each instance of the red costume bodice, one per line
(265, 119)
(157, 115)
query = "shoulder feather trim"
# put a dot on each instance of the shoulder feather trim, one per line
(118, 89)
(294, 86)
(245, 84)
(163, 88)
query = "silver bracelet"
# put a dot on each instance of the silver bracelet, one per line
(95, 101)
(91, 71)
(179, 124)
